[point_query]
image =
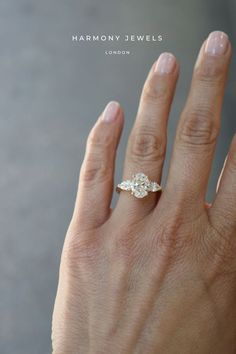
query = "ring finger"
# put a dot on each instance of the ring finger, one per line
(147, 141)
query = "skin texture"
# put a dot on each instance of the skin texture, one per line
(158, 274)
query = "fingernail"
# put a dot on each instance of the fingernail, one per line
(217, 43)
(110, 112)
(165, 64)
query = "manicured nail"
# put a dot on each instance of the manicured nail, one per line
(217, 43)
(110, 112)
(165, 64)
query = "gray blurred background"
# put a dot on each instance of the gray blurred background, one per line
(51, 92)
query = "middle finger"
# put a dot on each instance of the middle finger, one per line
(199, 124)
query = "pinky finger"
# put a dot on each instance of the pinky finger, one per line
(92, 206)
(223, 211)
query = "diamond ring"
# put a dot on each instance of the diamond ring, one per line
(139, 185)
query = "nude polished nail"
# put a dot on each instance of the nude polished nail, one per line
(217, 43)
(110, 112)
(165, 64)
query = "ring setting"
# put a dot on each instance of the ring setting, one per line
(139, 185)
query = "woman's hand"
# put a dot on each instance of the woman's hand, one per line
(158, 274)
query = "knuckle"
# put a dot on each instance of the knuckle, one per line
(171, 239)
(99, 140)
(125, 247)
(152, 93)
(224, 222)
(163, 242)
(95, 169)
(79, 251)
(97, 165)
(146, 145)
(166, 240)
(220, 253)
(199, 128)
